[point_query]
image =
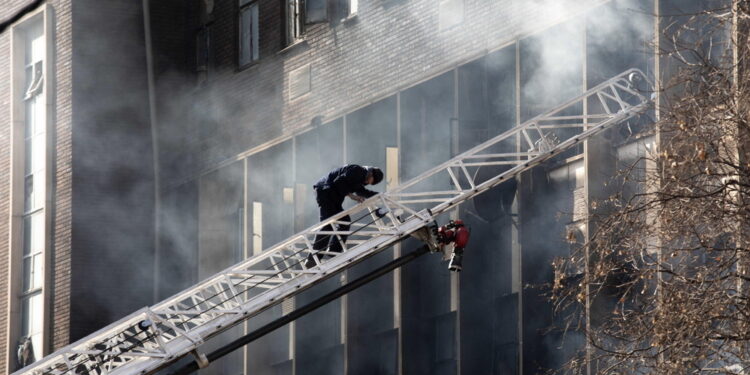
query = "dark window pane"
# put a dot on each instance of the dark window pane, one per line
(316, 11)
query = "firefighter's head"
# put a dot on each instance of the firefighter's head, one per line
(374, 176)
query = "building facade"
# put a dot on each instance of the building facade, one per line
(180, 137)
(77, 198)
(275, 102)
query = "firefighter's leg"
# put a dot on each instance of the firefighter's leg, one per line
(335, 245)
(321, 240)
(327, 209)
(320, 243)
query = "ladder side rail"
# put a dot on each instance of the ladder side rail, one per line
(529, 124)
(522, 167)
(64, 357)
(341, 261)
(95, 360)
(621, 116)
(296, 273)
(104, 335)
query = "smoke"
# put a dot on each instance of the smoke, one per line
(552, 69)
(208, 118)
(558, 64)
(112, 233)
(553, 64)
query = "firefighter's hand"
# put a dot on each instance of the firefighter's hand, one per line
(357, 198)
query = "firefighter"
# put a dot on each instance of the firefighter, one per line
(330, 192)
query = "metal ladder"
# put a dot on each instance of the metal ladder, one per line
(153, 337)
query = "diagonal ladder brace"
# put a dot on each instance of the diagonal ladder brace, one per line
(154, 337)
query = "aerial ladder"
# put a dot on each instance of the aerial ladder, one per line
(157, 336)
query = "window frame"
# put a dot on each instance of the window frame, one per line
(346, 10)
(254, 35)
(290, 38)
(203, 40)
(30, 264)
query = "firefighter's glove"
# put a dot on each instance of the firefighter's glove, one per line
(356, 198)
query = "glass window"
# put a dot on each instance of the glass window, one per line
(34, 116)
(32, 251)
(31, 261)
(315, 10)
(568, 181)
(294, 21)
(29, 193)
(32, 269)
(31, 325)
(36, 161)
(34, 78)
(28, 267)
(391, 167)
(248, 51)
(35, 43)
(34, 155)
(346, 8)
(37, 233)
(202, 47)
(34, 192)
(26, 235)
(239, 254)
(38, 201)
(257, 228)
(632, 163)
(35, 152)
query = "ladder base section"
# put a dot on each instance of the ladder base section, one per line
(298, 313)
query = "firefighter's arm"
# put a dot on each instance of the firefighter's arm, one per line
(351, 180)
(341, 183)
(359, 184)
(366, 193)
(356, 197)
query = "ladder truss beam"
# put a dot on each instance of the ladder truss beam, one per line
(154, 337)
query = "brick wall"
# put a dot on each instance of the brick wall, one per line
(172, 38)
(60, 209)
(113, 192)
(10, 7)
(63, 186)
(110, 167)
(110, 105)
(4, 186)
(388, 46)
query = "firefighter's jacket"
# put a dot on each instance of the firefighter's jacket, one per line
(343, 181)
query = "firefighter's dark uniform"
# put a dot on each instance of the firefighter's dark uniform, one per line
(330, 192)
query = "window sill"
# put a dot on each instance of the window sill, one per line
(350, 19)
(30, 293)
(296, 45)
(248, 65)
